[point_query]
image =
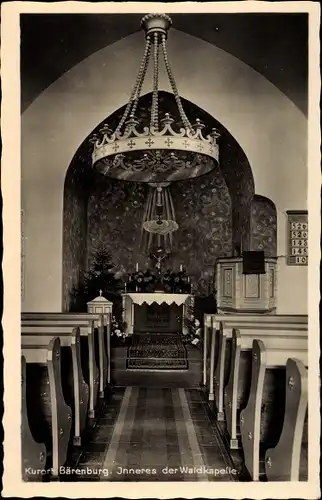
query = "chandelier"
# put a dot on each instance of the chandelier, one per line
(162, 150)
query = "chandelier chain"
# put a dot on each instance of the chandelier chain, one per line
(138, 83)
(154, 108)
(145, 64)
(184, 118)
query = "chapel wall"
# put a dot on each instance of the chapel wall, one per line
(268, 126)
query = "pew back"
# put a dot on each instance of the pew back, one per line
(89, 347)
(252, 321)
(276, 331)
(81, 320)
(52, 316)
(236, 392)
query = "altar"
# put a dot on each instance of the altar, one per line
(132, 301)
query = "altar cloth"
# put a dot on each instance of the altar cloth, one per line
(130, 299)
(159, 298)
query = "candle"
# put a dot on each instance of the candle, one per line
(181, 268)
(188, 279)
(137, 267)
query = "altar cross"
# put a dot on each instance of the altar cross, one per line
(159, 259)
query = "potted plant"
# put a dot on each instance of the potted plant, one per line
(118, 331)
(193, 333)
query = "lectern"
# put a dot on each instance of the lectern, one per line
(242, 291)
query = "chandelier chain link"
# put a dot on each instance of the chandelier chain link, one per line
(184, 118)
(145, 64)
(136, 86)
(154, 109)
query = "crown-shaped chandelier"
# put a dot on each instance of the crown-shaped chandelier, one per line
(164, 151)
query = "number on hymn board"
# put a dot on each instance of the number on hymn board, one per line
(299, 243)
(298, 238)
(299, 234)
(301, 260)
(301, 226)
(299, 251)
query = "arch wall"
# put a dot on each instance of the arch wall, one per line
(268, 127)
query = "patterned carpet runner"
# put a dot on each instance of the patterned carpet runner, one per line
(156, 434)
(163, 351)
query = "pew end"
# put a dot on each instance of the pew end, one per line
(75, 389)
(206, 337)
(214, 358)
(52, 416)
(231, 393)
(283, 461)
(265, 392)
(219, 376)
(33, 454)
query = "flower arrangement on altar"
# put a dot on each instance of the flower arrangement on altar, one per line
(151, 281)
(141, 281)
(176, 282)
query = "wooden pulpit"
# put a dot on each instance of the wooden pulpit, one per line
(239, 291)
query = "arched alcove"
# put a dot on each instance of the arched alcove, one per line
(213, 211)
(264, 226)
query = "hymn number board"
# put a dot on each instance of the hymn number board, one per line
(298, 243)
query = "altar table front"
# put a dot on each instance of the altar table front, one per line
(129, 299)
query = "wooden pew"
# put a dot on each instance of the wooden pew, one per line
(236, 391)
(88, 349)
(96, 377)
(33, 454)
(75, 389)
(50, 418)
(283, 463)
(254, 326)
(262, 420)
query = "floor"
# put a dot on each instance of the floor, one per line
(190, 378)
(155, 434)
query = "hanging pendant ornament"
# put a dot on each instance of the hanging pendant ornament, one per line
(161, 218)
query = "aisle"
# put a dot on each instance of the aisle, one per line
(157, 434)
(189, 378)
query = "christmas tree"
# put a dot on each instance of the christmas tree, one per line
(99, 277)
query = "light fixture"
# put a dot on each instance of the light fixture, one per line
(163, 150)
(160, 213)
